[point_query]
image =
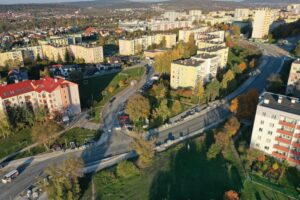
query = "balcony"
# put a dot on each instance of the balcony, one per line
(283, 123)
(284, 132)
(278, 155)
(296, 144)
(297, 135)
(294, 161)
(285, 141)
(281, 148)
(295, 153)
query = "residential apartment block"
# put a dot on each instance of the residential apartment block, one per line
(294, 80)
(186, 73)
(137, 45)
(241, 14)
(53, 94)
(11, 56)
(220, 51)
(90, 53)
(276, 129)
(262, 21)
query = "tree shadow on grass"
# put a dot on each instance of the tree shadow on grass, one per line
(192, 176)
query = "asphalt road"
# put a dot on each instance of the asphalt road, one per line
(273, 57)
(117, 143)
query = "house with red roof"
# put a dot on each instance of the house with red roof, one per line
(52, 94)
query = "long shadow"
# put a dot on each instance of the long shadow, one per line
(21, 168)
(192, 176)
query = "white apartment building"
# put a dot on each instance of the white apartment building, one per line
(276, 130)
(294, 79)
(11, 56)
(137, 45)
(185, 73)
(262, 21)
(209, 68)
(169, 25)
(241, 14)
(184, 34)
(294, 9)
(54, 95)
(220, 51)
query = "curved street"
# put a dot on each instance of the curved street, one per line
(114, 142)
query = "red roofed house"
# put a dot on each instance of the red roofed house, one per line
(53, 94)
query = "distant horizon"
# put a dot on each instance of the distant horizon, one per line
(10, 2)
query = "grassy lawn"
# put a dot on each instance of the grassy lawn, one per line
(79, 136)
(15, 142)
(253, 191)
(97, 89)
(180, 173)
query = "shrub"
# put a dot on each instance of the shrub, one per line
(126, 169)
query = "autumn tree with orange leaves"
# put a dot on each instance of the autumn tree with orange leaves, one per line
(245, 105)
(231, 195)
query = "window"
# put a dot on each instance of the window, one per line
(262, 122)
(264, 113)
(270, 132)
(267, 147)
(259, 137)
(257, 145)
(272, 125)
(260, 129)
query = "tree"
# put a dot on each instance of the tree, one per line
(64, 182)
(59, 59)
(162, 112)
(251, 156)
(242, 66)
(5, 128)
(159, 91)
(45, 133)
(138, 107)
(144, 148)
(212, 90)
(228, 76)
(40, 114)
(274, 83)
(246, 104)
(126, 169)
(67, 57)
(19, 117)
(163, 43)
(234, 105)
(232, 126)
(297, 50)
(176, 107)
(75, 76)
(191, 46)
(45, 72)
(231, 195)
(236, 30)
(200, 92)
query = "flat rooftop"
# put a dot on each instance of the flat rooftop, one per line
(280, 102)
(188, 62)
(212, 49)
(204, 56)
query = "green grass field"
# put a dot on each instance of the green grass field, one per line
(15, 142)
(180, 173)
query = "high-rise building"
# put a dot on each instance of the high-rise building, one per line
(220, 51)
(261, 23)
(276, 129)
(294, 9)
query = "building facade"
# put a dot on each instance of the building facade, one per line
(294, 80)
(52, 94)
(137, 45)
(11, 56)
(220, 51)
(261, 23)
(276, 130)
(185, 73)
